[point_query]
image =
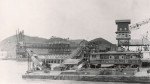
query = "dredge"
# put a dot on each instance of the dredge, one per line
(89, 62)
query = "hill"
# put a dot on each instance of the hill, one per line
(73, 43)
(100, 41)
(9, 44)
(102, 44)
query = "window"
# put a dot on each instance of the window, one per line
(133, 57)
(54, 61)
(125, 29)
(101, 57)
(111, 57)
(121, 57)
(120, 29)
(93, 56)
(126, 35)
(58, 61)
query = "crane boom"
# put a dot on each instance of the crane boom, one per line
(35, 59)
(137, 25)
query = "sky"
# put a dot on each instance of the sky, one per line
(76, 19)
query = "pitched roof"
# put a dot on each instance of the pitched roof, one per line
(71, 61)
(78, 41)
(54, 56)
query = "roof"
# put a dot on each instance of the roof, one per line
(54, 56)
(126, 20)
(40, 51)
(78, 41)
(71, 61)
(106, 65)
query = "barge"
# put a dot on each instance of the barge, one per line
(89, 63)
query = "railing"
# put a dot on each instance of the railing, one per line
(77, 52)
(74, 53)
(120, 36)
(117, 61)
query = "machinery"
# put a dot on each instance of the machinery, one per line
(124, 30)
(137, 25)
(34, 63)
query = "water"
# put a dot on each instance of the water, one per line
(11, 73)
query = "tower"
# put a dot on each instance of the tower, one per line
(20, 45)
(123, 33)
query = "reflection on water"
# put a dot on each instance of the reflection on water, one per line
(11, 72)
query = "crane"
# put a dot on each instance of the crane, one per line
(123, 34)
(35, 59)
(137, 25)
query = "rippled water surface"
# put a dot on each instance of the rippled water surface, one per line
(11, 72)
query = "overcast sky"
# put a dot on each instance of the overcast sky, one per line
(76, 19)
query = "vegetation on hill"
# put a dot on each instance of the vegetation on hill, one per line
(101, 44)
(9, 44)
(99, 41)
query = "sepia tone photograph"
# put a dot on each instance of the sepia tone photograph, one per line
(74, 41)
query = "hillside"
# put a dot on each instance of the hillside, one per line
(9, 44)
(102, 43)
(72, 43)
